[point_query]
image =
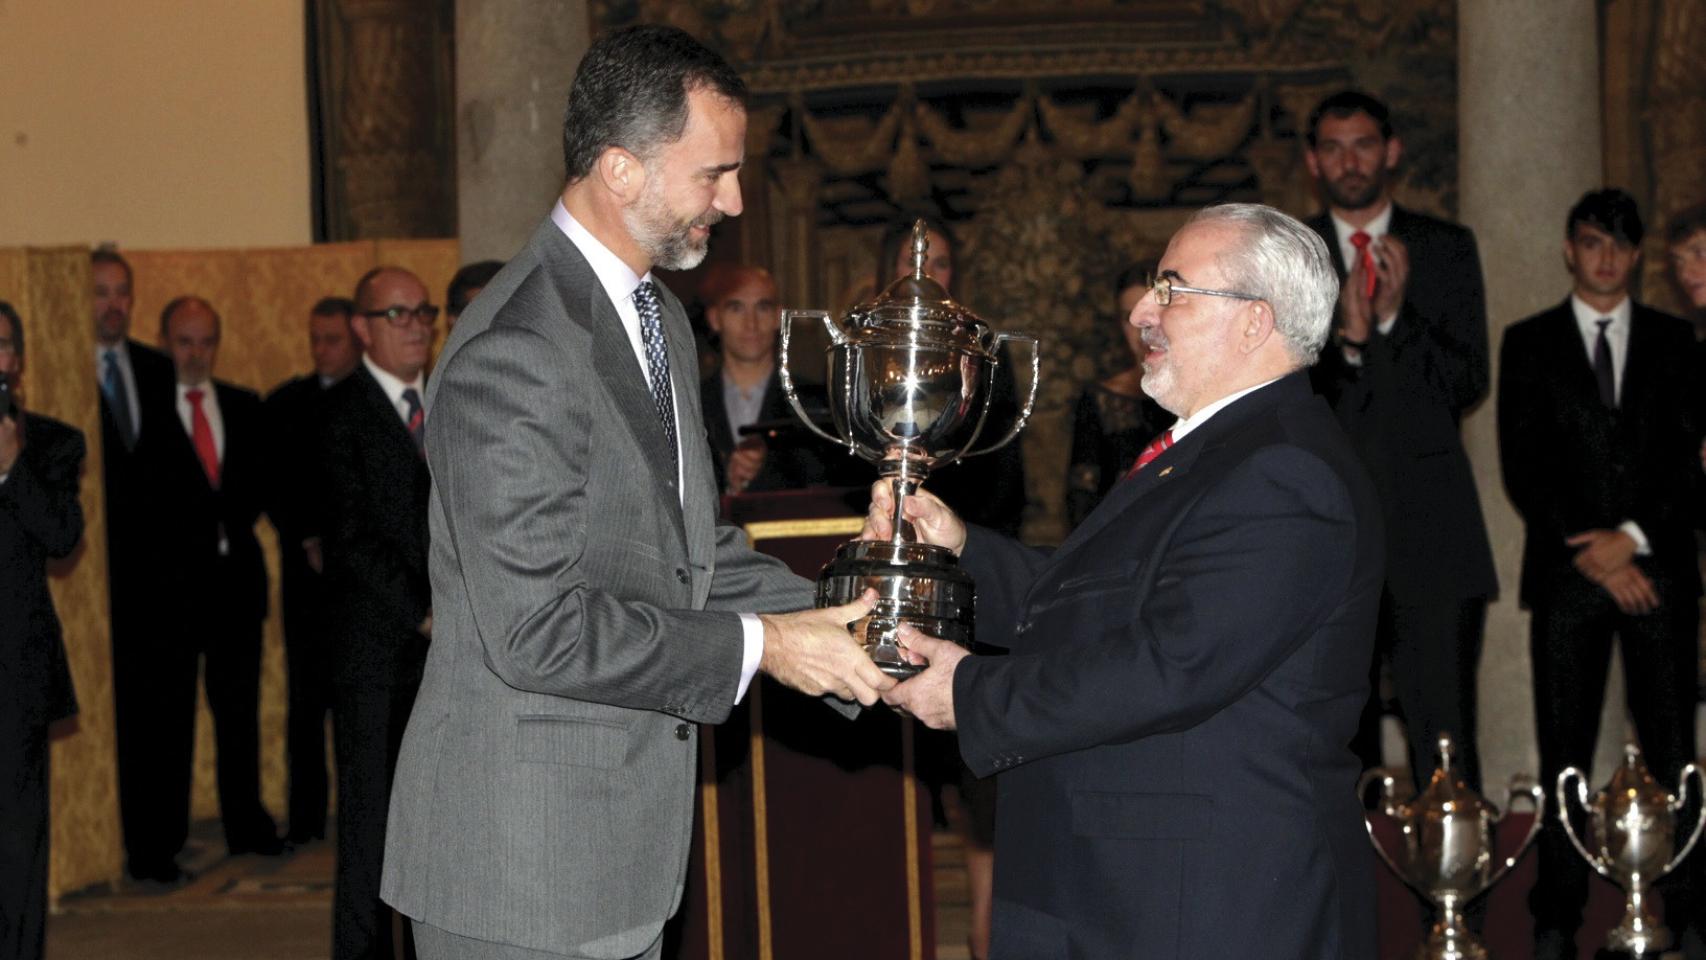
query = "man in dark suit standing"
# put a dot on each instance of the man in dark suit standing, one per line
(205, 484)
(1598, 438)
(294, 413)
(742, 310)
(41, 461)
(136, 397)
(1185, 671)
(1408, 356)
(374, 534)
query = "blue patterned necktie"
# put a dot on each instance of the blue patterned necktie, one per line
(657, 361)
(112, 384)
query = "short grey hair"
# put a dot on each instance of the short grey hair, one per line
(1286, 264)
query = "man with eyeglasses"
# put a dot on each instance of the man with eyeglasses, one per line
(374, 542)
(1408, 358)
(41, 461)
(1172, 722)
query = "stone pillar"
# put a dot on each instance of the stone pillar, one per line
(515, 62)
(1529, 134)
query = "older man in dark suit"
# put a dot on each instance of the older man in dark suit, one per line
(207, 582)
(374, 535)
(40, 518)
(1408, 357)
(1186, 670)
(1598, 438)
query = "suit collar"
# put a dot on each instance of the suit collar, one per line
(1176, 462)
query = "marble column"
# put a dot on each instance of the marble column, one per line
(1529, 134)
(515, 62)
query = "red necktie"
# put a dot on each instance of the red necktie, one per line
(201, 434)
(1361, 241)
(1150, 452)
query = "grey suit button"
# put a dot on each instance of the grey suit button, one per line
(682, 731)
(681, 575)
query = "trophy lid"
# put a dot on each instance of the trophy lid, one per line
(1632, 784)
(1446, 792)
(917, 301)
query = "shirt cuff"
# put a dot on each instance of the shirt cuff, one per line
(1633, 529)
(752, 639)
(1386, 324)
(1352, 355)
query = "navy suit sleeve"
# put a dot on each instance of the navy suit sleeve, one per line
(1248, 577)
(41, 491)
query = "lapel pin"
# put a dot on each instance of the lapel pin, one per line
(1163, 473)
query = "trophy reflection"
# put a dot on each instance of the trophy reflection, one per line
(911, 377)
(1631, 839)
(1447, 853)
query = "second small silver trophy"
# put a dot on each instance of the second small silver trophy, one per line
(911, 379)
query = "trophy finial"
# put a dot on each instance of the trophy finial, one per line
(920, 247)
(1447, 750)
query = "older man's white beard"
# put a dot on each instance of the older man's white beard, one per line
(1157, 380)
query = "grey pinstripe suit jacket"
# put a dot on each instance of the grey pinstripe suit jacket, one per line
(583, 619)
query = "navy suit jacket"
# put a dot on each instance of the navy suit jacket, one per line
(1402, 409)
(1171, 725)
(40, 518)
(1572, 465)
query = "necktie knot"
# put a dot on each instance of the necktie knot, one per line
(194, 396)
(1361, 240)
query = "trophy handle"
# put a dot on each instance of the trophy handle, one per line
(1682, 801)
(787, 377)
(1386, 786)
(1536, 794)
(1030, 401)
(1564, 814)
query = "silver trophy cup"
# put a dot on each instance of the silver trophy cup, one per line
(1447, 853)
(911, 376)
(1632, 831)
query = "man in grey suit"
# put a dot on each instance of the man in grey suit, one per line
(587, 609)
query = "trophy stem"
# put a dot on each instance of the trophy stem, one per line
(1640, 934)
(1450, 939)
(903, 532)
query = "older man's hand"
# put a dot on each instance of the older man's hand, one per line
(931, 519)
(929, 696)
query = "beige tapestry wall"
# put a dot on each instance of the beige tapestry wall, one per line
(263, 297)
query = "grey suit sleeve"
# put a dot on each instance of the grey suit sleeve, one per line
(508, 436)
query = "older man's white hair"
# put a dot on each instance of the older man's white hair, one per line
(1285, 263)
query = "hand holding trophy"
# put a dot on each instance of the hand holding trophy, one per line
(911, 376)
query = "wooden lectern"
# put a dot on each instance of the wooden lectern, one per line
(812, 833)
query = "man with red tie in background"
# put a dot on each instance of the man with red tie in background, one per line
(207, 585)
(374, 539)
(1407, 358)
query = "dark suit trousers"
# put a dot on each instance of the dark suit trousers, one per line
(154, 677)
(1570, 641)
(23, 836)
(368, 719)
(1434, 647)
(307, 655)
(232, 646)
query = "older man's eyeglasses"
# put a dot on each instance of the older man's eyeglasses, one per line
(426, 314)
(1166, 285)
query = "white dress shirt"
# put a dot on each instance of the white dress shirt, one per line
(1617, 338)
(1185, 425)
(619, 284)
(394, 387)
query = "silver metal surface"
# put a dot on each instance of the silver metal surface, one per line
(1631, 840)
(1448, 847)
(911, 379)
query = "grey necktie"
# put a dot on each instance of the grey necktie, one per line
(657, 361)
(112, 384)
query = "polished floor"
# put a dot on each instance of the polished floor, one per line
(279, 908)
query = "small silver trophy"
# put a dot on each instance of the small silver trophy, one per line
(1632, 833)
(1447, 855)
(911, 376)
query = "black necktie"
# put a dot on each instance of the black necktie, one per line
(416, 419)
(1602, 367)
(657, 361)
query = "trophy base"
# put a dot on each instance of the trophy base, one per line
(917, 584)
